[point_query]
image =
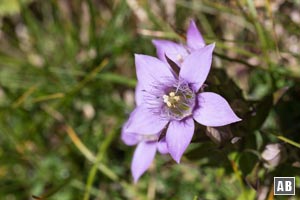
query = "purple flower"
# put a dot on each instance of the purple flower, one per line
(147, 145)
(166, 99)
(177, 52)
(169, 101)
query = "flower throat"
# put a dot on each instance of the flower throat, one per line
(179, 101)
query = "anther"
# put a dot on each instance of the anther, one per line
(169, 104)
(166, 98)
(177, 98)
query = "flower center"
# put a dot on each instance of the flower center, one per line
(179, 102)
(171, 100)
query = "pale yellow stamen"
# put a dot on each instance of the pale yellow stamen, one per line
(169, 104)
(177, 98)
(166, 98)
(171, 99)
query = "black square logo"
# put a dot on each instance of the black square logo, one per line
(284, 185)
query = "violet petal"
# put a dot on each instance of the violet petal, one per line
(142, 158)
(176, 52)
(139, 94)
(213, 110)
(179, 136)
(144, 122)
(150, 70)
(196, 66)
(194, 37)
(162, 146)
(129, 138)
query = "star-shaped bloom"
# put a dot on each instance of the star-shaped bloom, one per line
(172, 101)
(178, 52)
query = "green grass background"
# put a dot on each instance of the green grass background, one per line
(67, 80)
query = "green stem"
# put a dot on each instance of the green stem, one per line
(99, 158)
(291, 142)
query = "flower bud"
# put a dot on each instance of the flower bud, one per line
(273, 155)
